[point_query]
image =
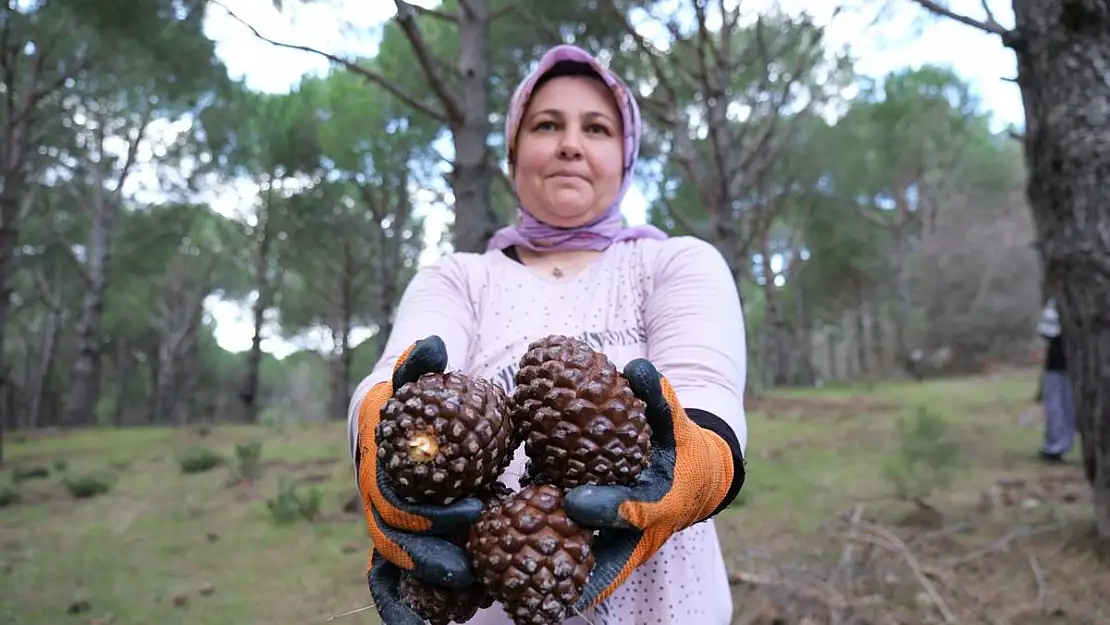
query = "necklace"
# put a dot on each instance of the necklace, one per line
(558, 273)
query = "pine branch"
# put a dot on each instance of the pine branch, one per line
(990, 25)
(406, 18)
(351, 66)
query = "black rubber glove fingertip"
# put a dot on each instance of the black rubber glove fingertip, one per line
(448, 567)
(428, 355)
(431, 346)
(597, 506)
(445, 519)
(644, 379)
(384, 579)
(467, 510)
(641, 374)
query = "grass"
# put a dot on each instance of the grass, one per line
(168, 547)
(826, 448)
(161, 537)
(818, 455)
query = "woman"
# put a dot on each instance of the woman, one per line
(665, 309)
(1056, 389)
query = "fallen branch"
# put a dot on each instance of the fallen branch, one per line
(944, 532)
(1042, 585)
(846, 556)
(1003, 544)
(896, 544)
(823, 594)
(351, 613)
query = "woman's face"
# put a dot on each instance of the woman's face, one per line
(569, 152)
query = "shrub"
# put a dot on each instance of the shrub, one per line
(248, 460)
(289, 505)
(23, 474)
(199, 459)
(86, 486)
(9, 496)
(926, 458)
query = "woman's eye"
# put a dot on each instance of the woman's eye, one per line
(545, 125)
(599, 128)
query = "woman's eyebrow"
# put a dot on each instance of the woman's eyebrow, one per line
(601, 114)
(560, 113)
(555, 112)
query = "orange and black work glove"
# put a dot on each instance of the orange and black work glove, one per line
(694, 473)
(407, 537)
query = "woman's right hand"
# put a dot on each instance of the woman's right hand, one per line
(407, 537)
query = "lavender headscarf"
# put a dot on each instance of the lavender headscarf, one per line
(533, 234)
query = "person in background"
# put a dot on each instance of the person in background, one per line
(665, 310)
(1056, 393)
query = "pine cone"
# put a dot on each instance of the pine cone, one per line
(531, 556)
(443, 437)
(438, 605)
(580, 421)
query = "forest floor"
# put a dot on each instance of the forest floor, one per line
(815, 538)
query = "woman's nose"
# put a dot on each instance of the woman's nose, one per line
(570, 147)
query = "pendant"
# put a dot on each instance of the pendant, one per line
(558, 273)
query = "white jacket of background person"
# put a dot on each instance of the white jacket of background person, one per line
(1049, 325)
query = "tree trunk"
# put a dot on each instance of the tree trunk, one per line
(850, 364)
(165, 397)
(475, 220)
(103, 208)
(875, 325)
(774, 360)
(177, 324)
(805, 371)
(195, 403)
(249, 394)
(44, 371)
(29, 81)
(84, 382)
(340, 370)
(153, 367)
(860, 316)
(1063, 48)
(387, 304)
(341, 343)
(9, 238)
(12, 213)
(901, 279)
(127, 365)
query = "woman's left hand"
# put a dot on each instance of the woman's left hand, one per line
(690, 475)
